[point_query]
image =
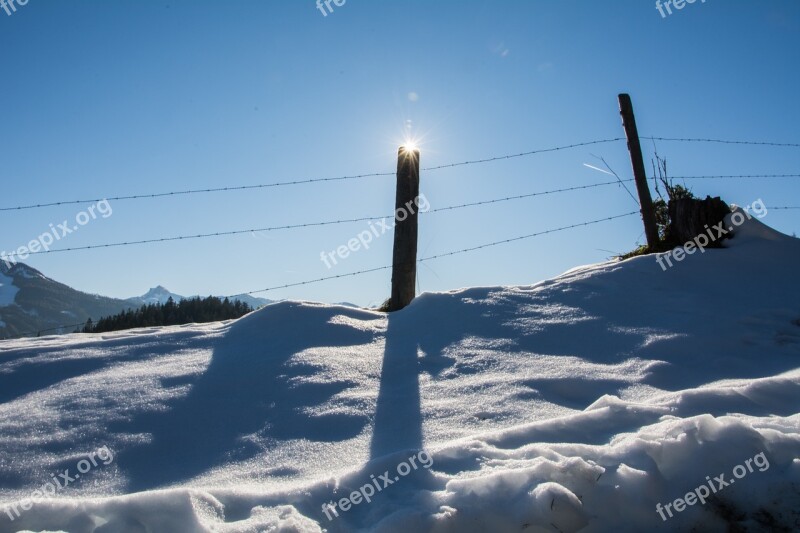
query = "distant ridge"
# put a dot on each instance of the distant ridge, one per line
(32, 302)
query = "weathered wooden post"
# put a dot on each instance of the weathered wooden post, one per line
(639, 174)
(404, 258)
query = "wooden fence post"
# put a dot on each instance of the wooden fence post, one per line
(404, 257)
(639, 173)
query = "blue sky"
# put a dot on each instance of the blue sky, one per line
(109, 98)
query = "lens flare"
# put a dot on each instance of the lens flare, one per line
(410, 145)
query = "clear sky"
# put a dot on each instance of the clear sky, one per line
(114, 97)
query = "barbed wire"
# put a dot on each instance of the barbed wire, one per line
(456, 252)
(530, 195)
(198, 191)
(40, 331)
(523, 154)
(744, 176)
(366, 271)
(310, 224)
(303, 181)
(783, 207)
(530, 235)
(722, 141)
(203, 235)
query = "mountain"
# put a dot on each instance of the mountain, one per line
(160, 295)
(614, 397)
(156, 295)
(31, 302)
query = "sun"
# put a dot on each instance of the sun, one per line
(410, 145)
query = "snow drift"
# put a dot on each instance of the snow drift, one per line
(579, 403)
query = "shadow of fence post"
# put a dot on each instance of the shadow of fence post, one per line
(398, 420)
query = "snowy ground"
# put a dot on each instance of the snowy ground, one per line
(579, 403)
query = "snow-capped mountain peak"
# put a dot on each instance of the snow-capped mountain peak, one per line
(160, 295)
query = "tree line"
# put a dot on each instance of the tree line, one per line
(187, 311)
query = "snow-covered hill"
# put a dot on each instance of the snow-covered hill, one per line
(579, 403)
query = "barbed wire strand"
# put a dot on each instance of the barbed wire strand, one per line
(520, 196)
(197, 191)
(722, 141)
(744, 176)
(304, 181)
(40, 331)
(524, 154)
(202, 235)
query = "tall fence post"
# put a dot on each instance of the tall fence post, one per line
(404, 258)
(639, 173)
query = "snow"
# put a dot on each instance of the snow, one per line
(23, 271)
(27, 273)
(159, 295)
(578, 403)
(8, 291)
